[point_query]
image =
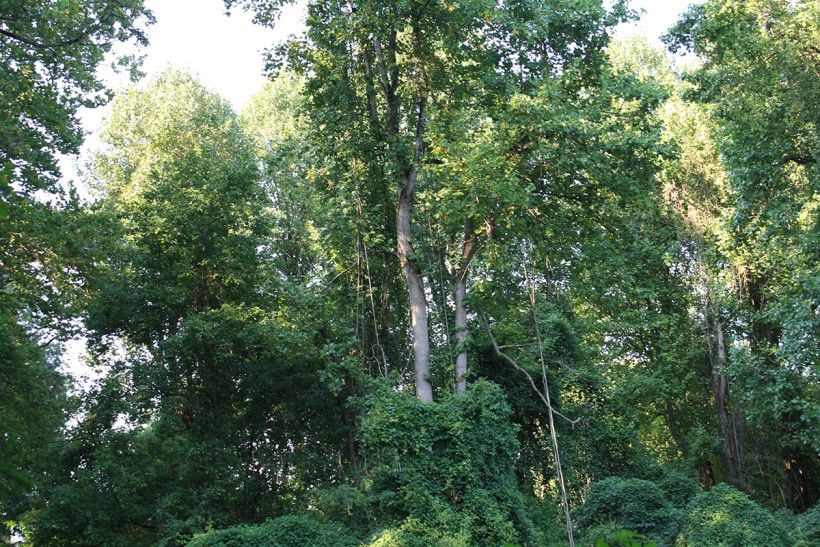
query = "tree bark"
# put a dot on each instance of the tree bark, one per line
(720, 388)
(412, 273)
(460, 295)
(388, 79)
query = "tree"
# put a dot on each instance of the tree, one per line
(404, 69)
(202, 354)
(759, 75)
(49, 55)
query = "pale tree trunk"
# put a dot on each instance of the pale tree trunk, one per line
(719, 382)
(412, 273)
(460, 294)
(388, 78)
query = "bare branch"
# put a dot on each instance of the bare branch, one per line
(518, 367)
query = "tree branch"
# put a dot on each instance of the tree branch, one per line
(518, 367)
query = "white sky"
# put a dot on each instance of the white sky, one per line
(658, 16)
(226, 54)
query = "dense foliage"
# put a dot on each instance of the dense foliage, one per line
(49, 55)
(725, 516)
(461, 273)
(289, 531)
(632, 504)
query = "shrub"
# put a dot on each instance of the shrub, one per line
(631, 504)
(287, 531)
(448, 466)
(726, 516)
(808, 527)
(804, 529)
(344, 505)
(610, 535)
(678, 487)
(412, 533)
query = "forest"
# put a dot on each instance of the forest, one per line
(462, 272)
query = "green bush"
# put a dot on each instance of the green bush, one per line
(726, 516)
(610, 535)
(631, 504)
(808, 527)
(287, 531)
(448, 466)
(412, 533)
(344, 505)
(678, 487)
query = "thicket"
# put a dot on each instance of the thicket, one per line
(288, 531)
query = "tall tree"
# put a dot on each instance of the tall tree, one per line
(395, 70)
(194, 330)
(760, 75)
(49, 56)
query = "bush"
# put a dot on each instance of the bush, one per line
(610, 535)
(808, 527)
(344, 505)
(678, 487)
(447, 466)
(287, 531)
(631, 504)
(726, 516)
(413, 533)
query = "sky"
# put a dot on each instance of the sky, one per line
(225, 53)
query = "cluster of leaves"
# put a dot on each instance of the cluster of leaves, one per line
(720, 516)
(632, 504)
(287, 531)
(448, 466)
(49, 55)
(726, 516)
(758, 217)
(200, 371)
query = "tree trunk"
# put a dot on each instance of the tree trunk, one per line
(720, 388)
(461, 334)
(460, 294)
(412, 273)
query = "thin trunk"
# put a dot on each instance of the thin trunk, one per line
(545, 398)
(729, 443)
(720, 388)
(460, 294)
(389, 77)
(553, 434)
(412, 273)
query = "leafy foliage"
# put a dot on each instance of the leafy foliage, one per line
(288, 531)
(758, 77)
(49, 56)
(631, 504)
(446, 466)
(725, 516)
(49, 53)
(623, 257)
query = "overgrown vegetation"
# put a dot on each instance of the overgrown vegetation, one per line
(461, 273)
